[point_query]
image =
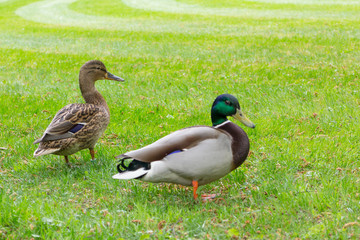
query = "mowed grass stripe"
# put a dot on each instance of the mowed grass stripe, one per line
(57, 12)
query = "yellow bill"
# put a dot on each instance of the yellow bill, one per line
(242, 118)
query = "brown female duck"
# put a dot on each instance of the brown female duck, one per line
(78, 126)
(193, 156)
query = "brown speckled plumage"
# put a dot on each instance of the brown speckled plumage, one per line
(79, 126)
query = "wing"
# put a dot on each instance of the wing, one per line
(69, 120)
(182, 139)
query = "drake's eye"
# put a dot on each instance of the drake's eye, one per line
(227, 102)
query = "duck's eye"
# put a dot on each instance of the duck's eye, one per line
(227, 102)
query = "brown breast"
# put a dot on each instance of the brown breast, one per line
(240, 143)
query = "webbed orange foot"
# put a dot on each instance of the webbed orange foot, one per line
(208, 197)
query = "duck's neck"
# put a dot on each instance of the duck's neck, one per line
(217, 119)
(89, 92)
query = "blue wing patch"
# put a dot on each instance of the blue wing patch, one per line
(176, 151)
(76, 128)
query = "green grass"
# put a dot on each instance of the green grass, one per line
(294, 68)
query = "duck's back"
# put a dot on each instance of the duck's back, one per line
(75, 127)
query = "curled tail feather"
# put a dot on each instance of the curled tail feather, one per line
(134, 170)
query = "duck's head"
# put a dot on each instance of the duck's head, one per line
(227, 105)
(95, 70)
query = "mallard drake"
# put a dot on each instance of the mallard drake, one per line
(193, 156)
(78, 126)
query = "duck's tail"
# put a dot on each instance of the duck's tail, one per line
(44, 151)
(135, 169)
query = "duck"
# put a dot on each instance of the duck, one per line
(193, 156)
(78, 126)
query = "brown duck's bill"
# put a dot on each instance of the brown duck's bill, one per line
(111, 76)
(242, 118)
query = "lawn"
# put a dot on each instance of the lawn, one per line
(293, 65)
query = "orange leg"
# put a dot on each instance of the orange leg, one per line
(92, 153)
(195, 185)
(67, 161)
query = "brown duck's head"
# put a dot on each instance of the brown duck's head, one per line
(95, 70)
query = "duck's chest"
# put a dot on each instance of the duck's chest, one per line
(240, 144)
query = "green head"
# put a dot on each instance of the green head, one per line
(227, 105)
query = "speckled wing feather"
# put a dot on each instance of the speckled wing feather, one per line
(66, 121)
(182, 139)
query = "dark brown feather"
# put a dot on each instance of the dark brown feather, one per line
(240, 143)
(67, 118)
